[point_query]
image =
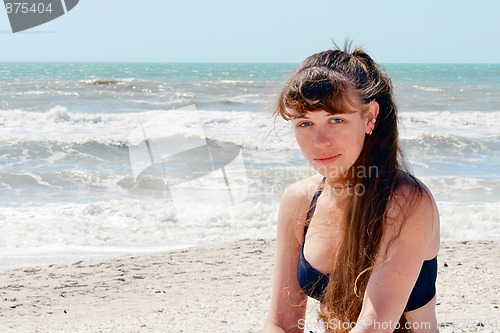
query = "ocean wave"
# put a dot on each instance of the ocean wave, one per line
(115, 225)
(133, 223)
(469, 221)
(46, 93)
(441, 132)
(59, 183)
(242, 83)
(467, 188)
(430, 89)
(448, 142)
(451, 118)
(235, 101)
(26, 179)
(470, 124)
(60, 125)
(108, 81)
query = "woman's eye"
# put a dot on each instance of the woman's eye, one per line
(335, 120)
(304, 124)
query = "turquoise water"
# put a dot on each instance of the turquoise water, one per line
(229, 87)
(447, 87)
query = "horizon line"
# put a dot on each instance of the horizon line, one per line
(232, 62)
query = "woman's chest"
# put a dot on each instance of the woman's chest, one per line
(323, 234)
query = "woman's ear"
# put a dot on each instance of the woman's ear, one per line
(372, 117)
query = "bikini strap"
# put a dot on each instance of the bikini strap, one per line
(312, 205)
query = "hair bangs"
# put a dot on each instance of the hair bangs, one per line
(317, 89)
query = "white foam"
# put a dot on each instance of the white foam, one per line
(256, 130)
(47, 93)
(469, 221)
(119, 224)
(470, 124)
(247, 129)
(431, 89)
(126, 226)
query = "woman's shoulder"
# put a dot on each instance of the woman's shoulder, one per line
(295, 203)
(412, 207)
(302, 190)
(411, 190)
(410, 198)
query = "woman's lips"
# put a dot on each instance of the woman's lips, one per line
(326, 159)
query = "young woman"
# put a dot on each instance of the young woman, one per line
(362, 236)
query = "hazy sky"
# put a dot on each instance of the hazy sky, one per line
(392, 31)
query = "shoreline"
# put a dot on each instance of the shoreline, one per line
(223, 287)
(69, 255)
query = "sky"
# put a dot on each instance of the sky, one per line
(392, 31)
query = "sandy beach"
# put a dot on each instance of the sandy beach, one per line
(215, 288)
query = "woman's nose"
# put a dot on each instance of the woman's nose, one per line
(323, 138)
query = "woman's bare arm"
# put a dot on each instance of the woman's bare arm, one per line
(392, 280)
(288, 302)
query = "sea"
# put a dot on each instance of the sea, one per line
(104, 159)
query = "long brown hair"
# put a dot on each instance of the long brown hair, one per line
(332, 81)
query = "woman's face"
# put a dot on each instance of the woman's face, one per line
(332, 143)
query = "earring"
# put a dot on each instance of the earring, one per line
(374, 120)
(371, 131)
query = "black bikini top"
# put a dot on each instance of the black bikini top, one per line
(313, 282)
